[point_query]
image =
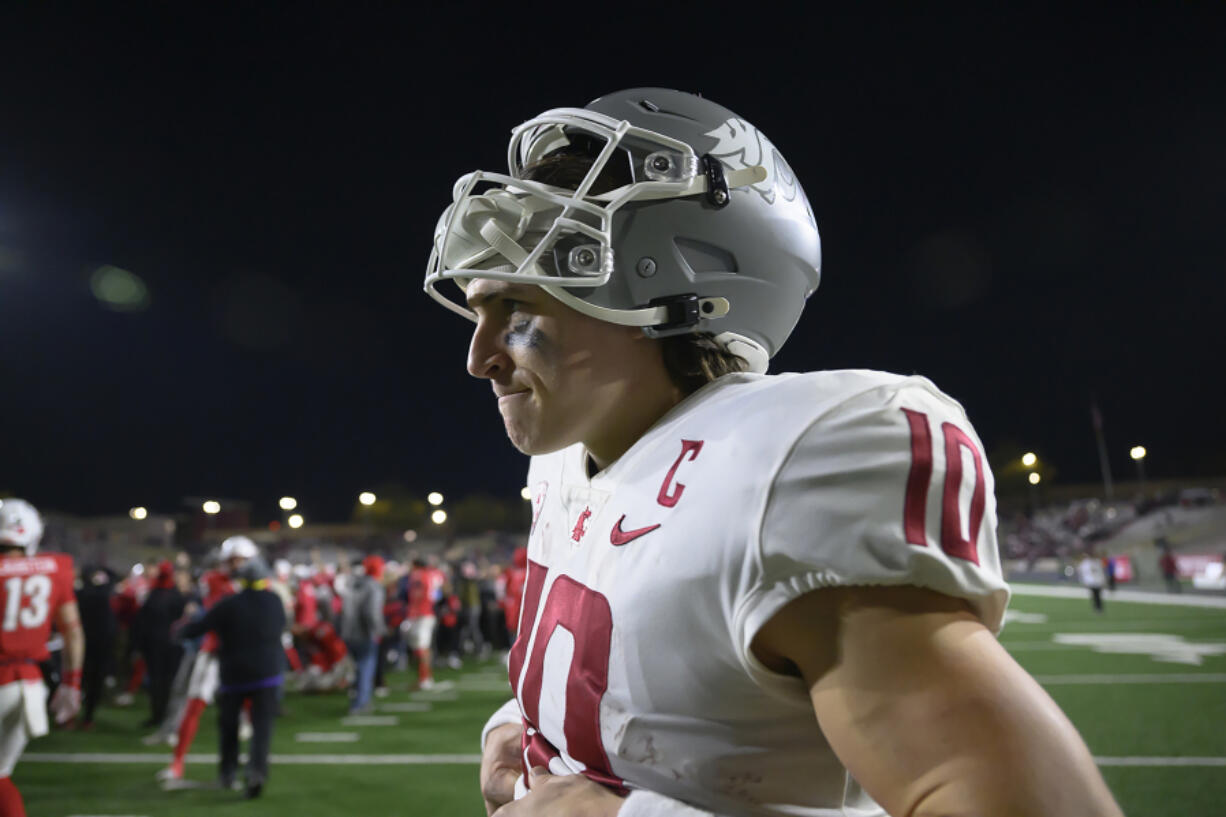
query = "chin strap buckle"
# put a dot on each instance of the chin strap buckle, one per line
(683, 312)
(717, 185)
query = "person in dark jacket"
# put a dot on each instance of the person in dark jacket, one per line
(248, 625)
(101, 629)
(162, 608)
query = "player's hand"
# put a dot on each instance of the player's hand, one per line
(571, 795)
(66, 702)
(500, 765)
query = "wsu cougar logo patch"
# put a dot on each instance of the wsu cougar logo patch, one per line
(739, 145)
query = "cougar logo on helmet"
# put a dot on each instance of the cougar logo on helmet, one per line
(740, 145)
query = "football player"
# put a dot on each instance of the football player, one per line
(716, 552)
(35, 594)
(421, 590)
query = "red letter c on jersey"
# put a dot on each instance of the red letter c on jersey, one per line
(666, 498)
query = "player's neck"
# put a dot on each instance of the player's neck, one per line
(625, 426)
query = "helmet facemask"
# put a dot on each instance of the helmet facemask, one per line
(559, 238)
(666, 212)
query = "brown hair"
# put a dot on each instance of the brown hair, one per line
(692, 360)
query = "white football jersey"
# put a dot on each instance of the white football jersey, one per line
(647, 582)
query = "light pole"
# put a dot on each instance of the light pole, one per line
(1138, 453)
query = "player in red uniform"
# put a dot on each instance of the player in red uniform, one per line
(513, 589)
(35, 592)
(127, 603)
(423, 589)
(330, 668)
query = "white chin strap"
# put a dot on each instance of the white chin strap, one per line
(756, 358)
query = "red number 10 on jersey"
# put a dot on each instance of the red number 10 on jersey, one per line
(919, 483)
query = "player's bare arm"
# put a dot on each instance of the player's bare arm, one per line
(66, 701)
(68, 623)
(927, 710)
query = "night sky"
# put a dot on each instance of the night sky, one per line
(1027, 208)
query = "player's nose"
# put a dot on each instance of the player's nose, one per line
(487, 355)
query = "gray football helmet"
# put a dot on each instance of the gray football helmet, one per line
(713, 233)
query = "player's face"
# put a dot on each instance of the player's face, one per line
(561, 377)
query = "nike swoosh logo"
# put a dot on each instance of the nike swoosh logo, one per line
(619, 537)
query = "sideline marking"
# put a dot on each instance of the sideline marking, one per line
(407, 706)
(486, 686)
(1169, 649)
(1137, 596)
(327, 737)
(1160, 761)
(432, 695)
(289, 760)
(370, 720)
(407, 760)
(1155, 678)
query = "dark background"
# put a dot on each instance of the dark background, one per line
(1025, 206)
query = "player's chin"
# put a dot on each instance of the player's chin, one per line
(529, 440)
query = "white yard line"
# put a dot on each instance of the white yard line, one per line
(430, 695)
(1160, 761)
(1136, 596)
(407, 706)
(327, 737)
(1153, 678)
(370, 720)
(289, 760)
(411, 760)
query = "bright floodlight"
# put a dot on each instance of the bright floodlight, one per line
(288, 503)
(138, 512)
(1034, 478)
(434, 498)
(295, 520)
(366, 498)
(1029, 459)
(438, 517)
(212, 506)
(525, 493)
(1137, 452)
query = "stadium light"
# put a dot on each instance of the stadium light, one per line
(288, 503)
(1034, 478)
(212, 506)
(295, 520)
(438, 517)
(525, 493)
(434, 498)
(1029, 459)
(1138, 456)
(366, 498)
(138, 512)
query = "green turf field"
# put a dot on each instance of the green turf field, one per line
(1152, 709)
